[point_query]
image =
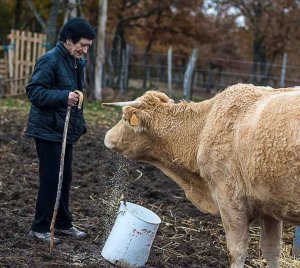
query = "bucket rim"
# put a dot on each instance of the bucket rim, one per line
(155, 223)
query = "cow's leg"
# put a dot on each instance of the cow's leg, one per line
(236, 225)
(270, 239)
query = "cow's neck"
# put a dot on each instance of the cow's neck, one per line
(177, 134)
(177, 131)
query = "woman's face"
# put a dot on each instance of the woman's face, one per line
(79, 49)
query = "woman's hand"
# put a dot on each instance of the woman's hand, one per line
(73, 99)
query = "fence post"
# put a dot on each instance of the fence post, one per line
(188, 75)
(170, 93)
(128, 55)
(124, 70)
(296, 243)
(283, 70)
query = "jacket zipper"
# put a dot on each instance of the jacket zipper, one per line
(76, 108)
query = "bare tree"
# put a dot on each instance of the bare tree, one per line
(18, 11)
(130, 11)
(72, 10)
(100, 49)
(267, 21)
(50, 28)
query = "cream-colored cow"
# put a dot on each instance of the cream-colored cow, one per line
(237, 154)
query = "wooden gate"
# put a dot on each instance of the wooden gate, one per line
(21, 55)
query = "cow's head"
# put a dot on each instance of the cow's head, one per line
(132, 135)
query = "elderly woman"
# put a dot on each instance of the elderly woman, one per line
(56, 75)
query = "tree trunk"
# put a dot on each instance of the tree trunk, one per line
(124, 70)
(259, 46)
(52, 25)
(72, 10)
(100, 51)
(118, 45)
(51, 28)
(170, 91)
(18, 11)
(146, 69)
(188, 75)
(259, 67)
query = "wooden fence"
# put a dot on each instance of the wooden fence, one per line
(3, 69)
(19, 59)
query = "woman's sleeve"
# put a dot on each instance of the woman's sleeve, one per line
(40, 90)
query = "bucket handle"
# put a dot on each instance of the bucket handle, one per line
(122, 210)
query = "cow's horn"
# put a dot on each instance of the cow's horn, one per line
(134, 103)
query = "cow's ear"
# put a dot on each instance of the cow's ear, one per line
(130, 114)
(133, 120)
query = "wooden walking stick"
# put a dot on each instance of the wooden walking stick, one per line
(61, 168)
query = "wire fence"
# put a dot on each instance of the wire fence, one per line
(211, 74)
(150, 70)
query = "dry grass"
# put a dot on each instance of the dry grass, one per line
(188, 231)
(184, 236)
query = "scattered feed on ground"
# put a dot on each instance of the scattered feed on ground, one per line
(186, 237)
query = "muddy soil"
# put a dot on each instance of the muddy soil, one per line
(186, 236)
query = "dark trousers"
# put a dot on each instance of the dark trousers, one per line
(49, 154)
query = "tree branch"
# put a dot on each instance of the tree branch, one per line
(144, 15)
(37, 15)
(130, 4)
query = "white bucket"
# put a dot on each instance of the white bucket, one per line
(131, 238)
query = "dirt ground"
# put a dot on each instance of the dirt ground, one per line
(186, 236)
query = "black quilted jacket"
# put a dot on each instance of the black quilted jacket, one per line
(55, 74)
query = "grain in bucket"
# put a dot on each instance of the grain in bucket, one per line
(131, 238)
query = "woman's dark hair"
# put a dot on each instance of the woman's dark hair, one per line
(75, 29)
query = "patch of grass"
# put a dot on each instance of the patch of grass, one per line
(21, 102)
(107, 116)
(94, 106)
(93, 111)
(15, 103)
